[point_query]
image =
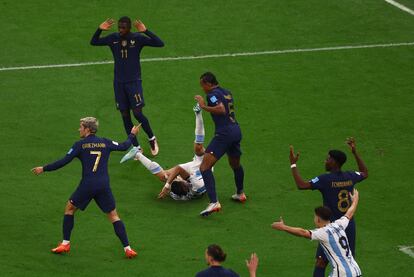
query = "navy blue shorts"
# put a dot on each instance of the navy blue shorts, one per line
(128, 95)
(350, 233)
(226, 143)
(85, 193)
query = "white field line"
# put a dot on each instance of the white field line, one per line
(400, 6)
(409, 250)
(270, 52)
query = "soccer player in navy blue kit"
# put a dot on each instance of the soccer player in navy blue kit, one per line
(126, 47)
(226, 140)
(93, 152)
(335, 187)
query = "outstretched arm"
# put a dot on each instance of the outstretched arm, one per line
(152, 39)
(96, 39)
(115, 146)
(73, 152)
(299, 232)
(361, 165)
(300, 183)
(351, 210)
(174, 172)
(252, 264)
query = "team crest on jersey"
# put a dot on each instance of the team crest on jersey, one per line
(124, 43)
(315, 180)
(132, 42)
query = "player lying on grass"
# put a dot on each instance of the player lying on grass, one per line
(332, 238)
(335, 187)
(93, 152)
(215, 256)
(183, 181)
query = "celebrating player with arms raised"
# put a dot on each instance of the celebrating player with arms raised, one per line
(226, 139)
(335, 187)
(93, 152)
(126, 47)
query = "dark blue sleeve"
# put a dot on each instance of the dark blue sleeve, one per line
(150, 40)
(72, 153)
(213, 99)
(116, 146)
(356, 176)
(318, 182)
(98, 41)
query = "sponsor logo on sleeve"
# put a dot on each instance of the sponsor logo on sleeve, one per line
(315, 180)
(114, 142)
(70, 151)
(213, 99)
(358, 173)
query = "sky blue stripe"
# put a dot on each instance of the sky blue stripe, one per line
(156, 170)
(338, 253)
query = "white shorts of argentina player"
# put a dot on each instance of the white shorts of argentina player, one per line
(334, 242)
(195, 180)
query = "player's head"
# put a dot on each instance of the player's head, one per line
(214, 255)
(88, 125)
(124, 25)
(179, 187)
(335, 160)
(208, 81)
(322, 216)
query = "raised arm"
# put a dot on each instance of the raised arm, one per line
(351, 210)
(151, 39)
(115, 146)
(299, 232)
(96, 39)
(217, 109)
(300, 183)
(361, 165)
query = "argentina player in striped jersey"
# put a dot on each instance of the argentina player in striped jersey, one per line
(332, 238)
(183, 181)
(335, 186)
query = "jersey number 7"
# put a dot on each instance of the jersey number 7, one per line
(98, 158)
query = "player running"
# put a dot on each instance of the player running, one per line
(335, 187)
(126, 47)
(226, 140)
(183, 181)
(93, 152)
(332, 238)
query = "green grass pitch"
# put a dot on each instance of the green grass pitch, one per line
(313, 100)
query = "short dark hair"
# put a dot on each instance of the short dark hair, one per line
(216, 253)
(209, 77)
(179, 188)
(125, 19)
(323, 212)
(338, 156)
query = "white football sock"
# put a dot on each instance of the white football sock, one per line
(199, 129)
(127, 248)
(150, 165)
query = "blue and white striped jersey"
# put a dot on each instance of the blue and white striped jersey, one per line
(334, 242)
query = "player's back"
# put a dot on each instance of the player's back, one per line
(336, 247)
(335, 188)
(227, 120)
(94, 155)
(217, 271)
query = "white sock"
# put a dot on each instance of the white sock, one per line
(150, 165)
(199, 129)
(153, 137)
(127, 248)
(65, 242)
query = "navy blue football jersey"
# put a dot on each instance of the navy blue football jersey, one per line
(217, 271)
(217, 96)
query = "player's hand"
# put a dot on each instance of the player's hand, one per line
(351, 142)
(293, 158)
(164, 192)
(37, 170)
(279, 225)
(135, 129)
(140, 26)
(354, 196)
(200, 101)
(107, 24)
(252, 263)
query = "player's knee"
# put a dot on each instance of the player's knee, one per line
(320, 263)
(125, 113)
(234, 163)
(113, 216)
(70, 208)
